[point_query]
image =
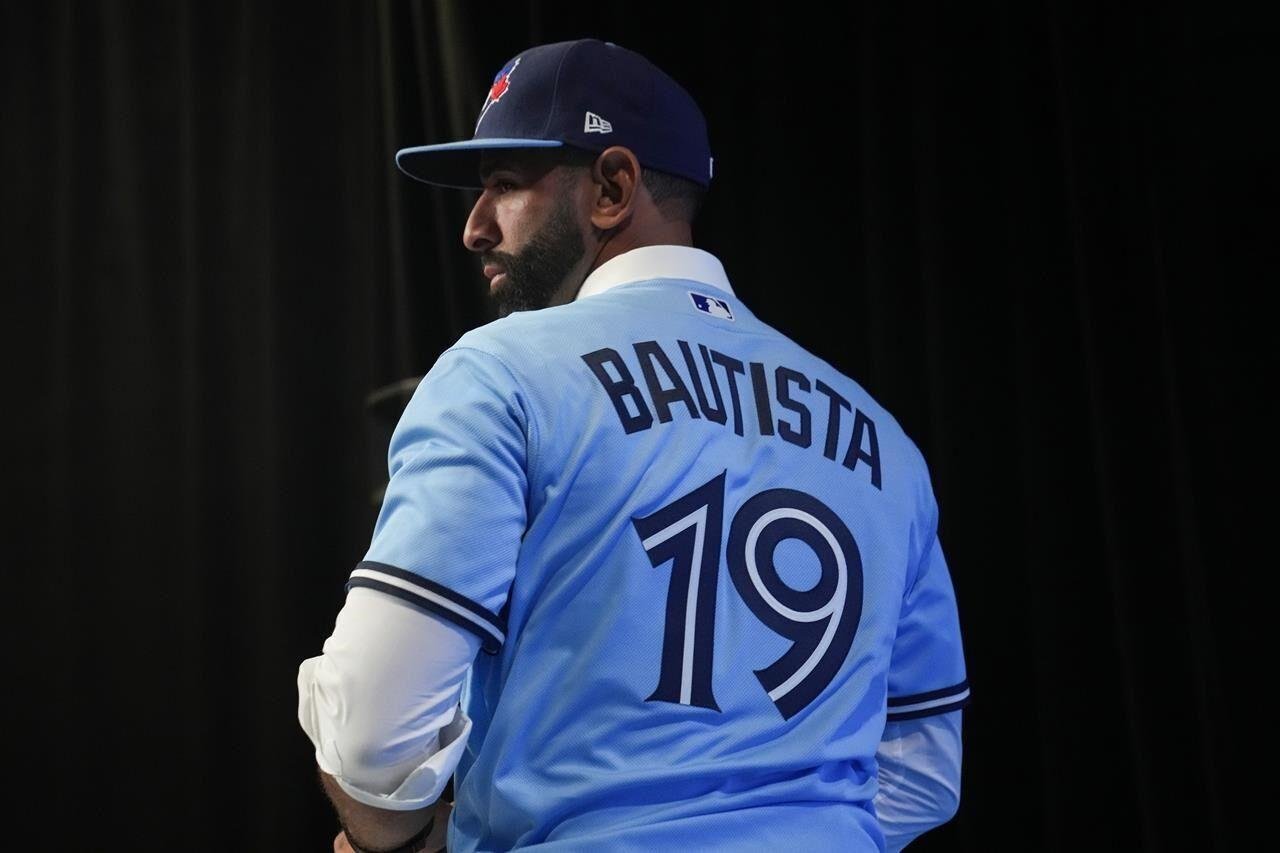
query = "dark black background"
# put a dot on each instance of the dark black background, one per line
(1031, 230)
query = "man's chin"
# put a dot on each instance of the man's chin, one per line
(507, 299)
(502, 303)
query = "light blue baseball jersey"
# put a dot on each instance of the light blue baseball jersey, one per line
(703, 564)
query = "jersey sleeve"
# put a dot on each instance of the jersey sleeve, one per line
(927, 670)
(455, 508)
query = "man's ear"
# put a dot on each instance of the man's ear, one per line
(617, 174)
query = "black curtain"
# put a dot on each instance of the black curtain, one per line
(1027, 228)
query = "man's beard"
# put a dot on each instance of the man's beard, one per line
(534, 276)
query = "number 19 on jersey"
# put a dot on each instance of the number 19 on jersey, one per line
(820, 622)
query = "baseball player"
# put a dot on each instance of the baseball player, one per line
(647, 574)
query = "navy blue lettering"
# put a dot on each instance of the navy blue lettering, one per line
(650, 354)
(717, 414)
(861, 424)
(833, 417)
(666, 385)
(620, 389)
(731, 366)
(764, 414)
(781, 376)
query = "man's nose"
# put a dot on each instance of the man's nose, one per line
(481, 231)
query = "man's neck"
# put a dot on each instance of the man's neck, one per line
(672, 234)
(620, 242)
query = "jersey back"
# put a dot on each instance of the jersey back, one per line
(703, 563)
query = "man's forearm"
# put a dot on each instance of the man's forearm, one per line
(382, 829)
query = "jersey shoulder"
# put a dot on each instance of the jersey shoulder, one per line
(537, 346)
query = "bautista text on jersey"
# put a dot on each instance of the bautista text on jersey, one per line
(665, 388)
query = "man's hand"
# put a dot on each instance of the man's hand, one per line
(340, 844)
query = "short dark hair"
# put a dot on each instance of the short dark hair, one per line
(676, 197)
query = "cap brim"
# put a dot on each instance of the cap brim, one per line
(457, 164)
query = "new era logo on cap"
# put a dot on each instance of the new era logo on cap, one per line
(711, 305)
(595, 124)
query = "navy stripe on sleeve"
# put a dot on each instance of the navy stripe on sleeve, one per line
(434, 597)
(932, 702)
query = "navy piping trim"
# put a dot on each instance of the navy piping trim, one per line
(438, 599)
(928, 712)
(940, 693)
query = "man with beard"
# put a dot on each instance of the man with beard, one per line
(702, 565)
(541, 269)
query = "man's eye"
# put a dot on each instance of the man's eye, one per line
(503, 186)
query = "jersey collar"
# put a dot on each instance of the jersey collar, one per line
(665, 261)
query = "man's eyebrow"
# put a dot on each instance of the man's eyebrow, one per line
(496, 164)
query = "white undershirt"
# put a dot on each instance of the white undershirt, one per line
(381, 703)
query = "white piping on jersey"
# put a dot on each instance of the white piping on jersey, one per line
(664, 261)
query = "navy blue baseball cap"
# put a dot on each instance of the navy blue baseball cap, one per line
(587, 93)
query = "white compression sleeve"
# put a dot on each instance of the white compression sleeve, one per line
(381, 704)
(919, 776)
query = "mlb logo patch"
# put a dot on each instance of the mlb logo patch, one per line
(711, 305)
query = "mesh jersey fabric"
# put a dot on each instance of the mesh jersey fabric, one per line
(703, 564)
